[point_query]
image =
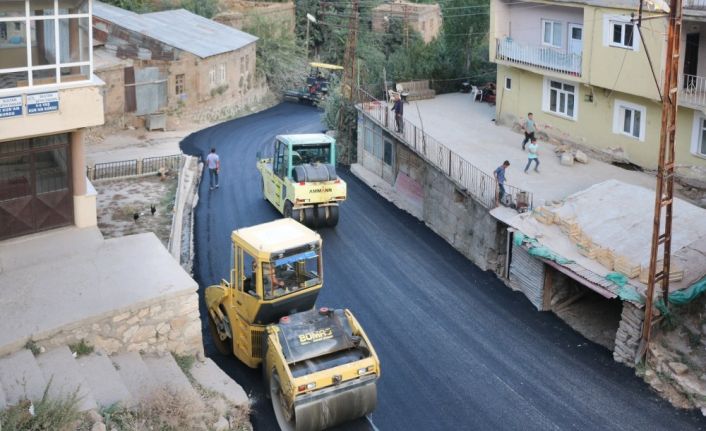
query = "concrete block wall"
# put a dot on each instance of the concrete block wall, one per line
(455, 216)
(161, 325)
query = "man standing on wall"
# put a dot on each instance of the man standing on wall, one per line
(398, 108)
(529, 129)
(214, 168)
(500, 178)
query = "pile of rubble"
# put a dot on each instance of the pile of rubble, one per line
(568, 155)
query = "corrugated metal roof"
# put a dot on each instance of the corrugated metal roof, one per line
(178, 28)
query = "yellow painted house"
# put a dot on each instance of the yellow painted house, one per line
(583, 69)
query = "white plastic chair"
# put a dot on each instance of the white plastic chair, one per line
(476, 93)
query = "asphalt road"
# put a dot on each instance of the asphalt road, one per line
(458, 349)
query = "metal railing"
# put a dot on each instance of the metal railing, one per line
(152, 165)
(694, 4)
(132, 168)
(542, 57)
(692, 90)
(468, 178)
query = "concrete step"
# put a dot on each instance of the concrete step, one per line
(21, 377)
(103, 380)
(135, 375)
(168, 374)
(61, 369)
(211, 377)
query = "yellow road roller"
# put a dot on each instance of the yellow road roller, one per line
(319, 366)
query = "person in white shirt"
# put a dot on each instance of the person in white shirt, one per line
(214, 168)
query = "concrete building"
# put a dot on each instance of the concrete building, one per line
(241, 14)
(582, 68)
(422, 18)
(172, 62)
(48, 97)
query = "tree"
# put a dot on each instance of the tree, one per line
(279, 57)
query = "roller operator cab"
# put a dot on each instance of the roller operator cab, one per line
(300, 179)
(319, 366)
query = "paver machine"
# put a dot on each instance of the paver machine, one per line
(317, 83)
(319, 366)
(300, 179)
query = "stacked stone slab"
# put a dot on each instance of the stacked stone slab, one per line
(101, 381)
(627, 338)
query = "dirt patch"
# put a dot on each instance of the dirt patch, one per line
(119, 201)
(594, 317)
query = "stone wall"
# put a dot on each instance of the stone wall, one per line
(167, 324)
(627, 339)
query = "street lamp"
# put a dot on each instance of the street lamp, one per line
(309, 18)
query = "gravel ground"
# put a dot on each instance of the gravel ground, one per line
(119, 201)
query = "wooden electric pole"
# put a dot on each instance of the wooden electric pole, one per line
(664, 195)
(350, 53)
(348, 88)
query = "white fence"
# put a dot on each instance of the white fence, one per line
(543, 57)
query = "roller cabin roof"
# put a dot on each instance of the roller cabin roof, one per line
(278, 235)
(306, 139)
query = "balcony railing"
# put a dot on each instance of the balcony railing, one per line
(542, 57)
(694, 4)
(692, 90)
(482, 186)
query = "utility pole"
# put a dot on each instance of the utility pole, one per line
(349, 62)
(664, 195)
(349, 74)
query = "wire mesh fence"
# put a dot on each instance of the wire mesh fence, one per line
(469, 178)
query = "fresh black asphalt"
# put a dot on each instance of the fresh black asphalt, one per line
(458, 349)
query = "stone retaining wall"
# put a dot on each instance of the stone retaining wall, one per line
(627, 339)
(167, 324)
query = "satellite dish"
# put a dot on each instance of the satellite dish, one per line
(310, 17)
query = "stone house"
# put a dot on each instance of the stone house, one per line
(423, 18)
(240, 13)
(172, 62)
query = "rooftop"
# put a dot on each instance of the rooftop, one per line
(618, 216)
(278, 235)
(178, 28)
(399, 6)
(467, 128)
(56, 278)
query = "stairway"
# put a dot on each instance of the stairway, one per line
(102, 381)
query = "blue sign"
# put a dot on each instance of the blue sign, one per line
(42, 102)
(11, 107)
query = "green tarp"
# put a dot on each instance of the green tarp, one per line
(539, 250)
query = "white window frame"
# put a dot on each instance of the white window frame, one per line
(212, 76)
(619, 109)
(698, 125)
(608, 26)
(553, 25)
(508, 79)
(221, 76)
(546, 98)
(27, 19)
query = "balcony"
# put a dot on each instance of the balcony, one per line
(694, 4)
(541, 57)
(692, 91)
